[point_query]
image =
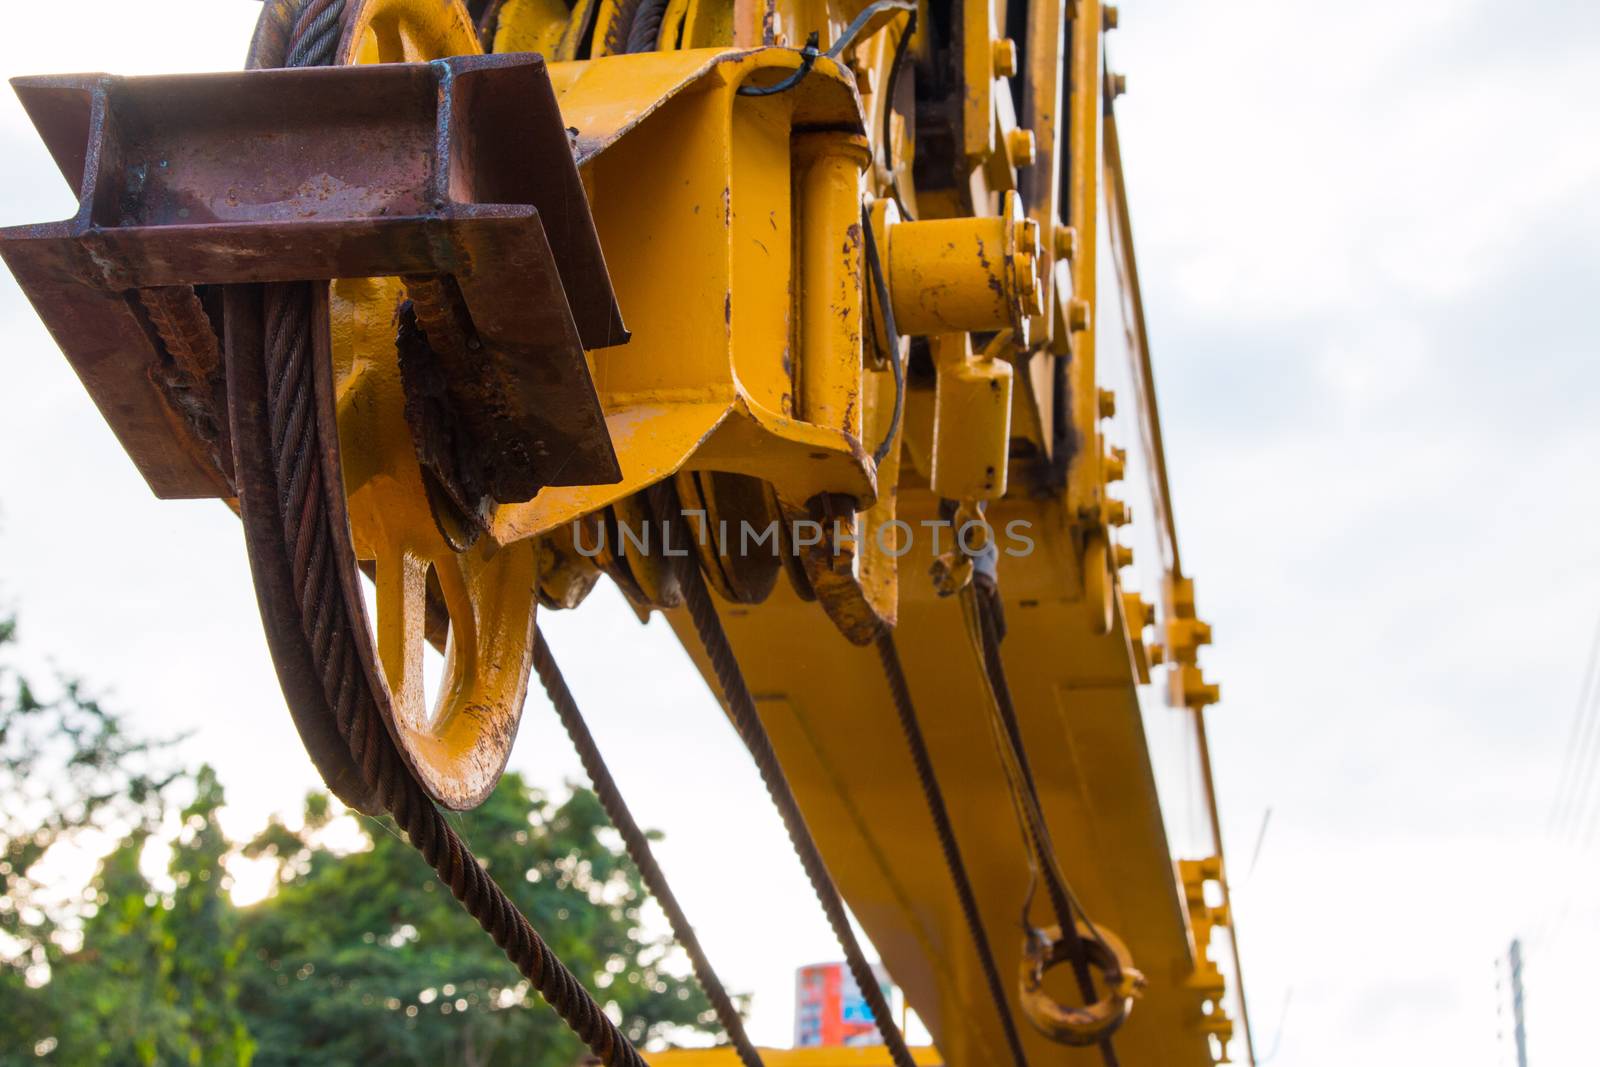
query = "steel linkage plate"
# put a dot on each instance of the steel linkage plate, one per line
(459, 168)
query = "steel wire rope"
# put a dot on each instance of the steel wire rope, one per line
(891, 335)
(938, 810)
(741, 707)
(272, 403)
(637, 844)
(979, 613)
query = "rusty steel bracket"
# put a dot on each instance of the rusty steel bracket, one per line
(459, 170)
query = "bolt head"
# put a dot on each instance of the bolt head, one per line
(1078, 321)
(1107, 401)
(1022, 146)
(1027, 274)
(1119, 84)
(1066, 243)
(1109, 16)
(1028, 237)
(1115, 464)
(1005, 58)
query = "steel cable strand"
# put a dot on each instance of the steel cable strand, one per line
(981, 598)
(894, 672)
(288, 433)
(637, 844)
(994, 669)
(742, 708)
(644, 30)
(329, 630)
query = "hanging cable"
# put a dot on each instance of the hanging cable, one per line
(981, 613)
(891, 335)
(1579, 763)
(637, 844)
(866, 15)
(808, 58)
(891, 83)
(900, 689)
(747, 721)
(809, 54)
(301, 561)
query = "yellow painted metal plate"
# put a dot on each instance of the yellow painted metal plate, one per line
(835, 730)
(458, 740)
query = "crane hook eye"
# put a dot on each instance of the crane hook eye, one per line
(1043, 950)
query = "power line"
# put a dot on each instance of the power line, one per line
(1261, 839)
(1571, 822)
(1579, 738)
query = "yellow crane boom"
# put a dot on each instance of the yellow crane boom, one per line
(786, 316)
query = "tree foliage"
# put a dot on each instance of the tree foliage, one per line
(368, 958)
(69, 777)
(359, 955)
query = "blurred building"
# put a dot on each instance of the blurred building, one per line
(830, 1010)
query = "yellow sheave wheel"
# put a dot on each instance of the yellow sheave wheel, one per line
(458, 741)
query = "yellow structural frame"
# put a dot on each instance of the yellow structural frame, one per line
(732, 230)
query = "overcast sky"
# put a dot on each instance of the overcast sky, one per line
(1370, 238)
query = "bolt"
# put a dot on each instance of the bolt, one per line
(1202, 632)
(1078, 316)
(1122, 556)
(1106, 400)
(1115, 463)
(1027, 275)
(1117, 512)
(1157, 654)
(1066, 243)
(1119, 84)
(1028, 237)
(1109, 16)
(1019, 143)
(1005, 58)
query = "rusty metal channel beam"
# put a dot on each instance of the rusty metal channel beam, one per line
(460, 168)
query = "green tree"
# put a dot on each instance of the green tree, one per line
(206, 934)
(69, 776)
(368, 959)
(115, 996)
(354, 959)
(155, 979)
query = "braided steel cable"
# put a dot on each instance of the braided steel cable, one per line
(983, 605)
(980, 604)
(296, 536)
(315, 37)
(637, 844)
(283, 491)
(747, 721)
(900, 689)
(644, 31)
